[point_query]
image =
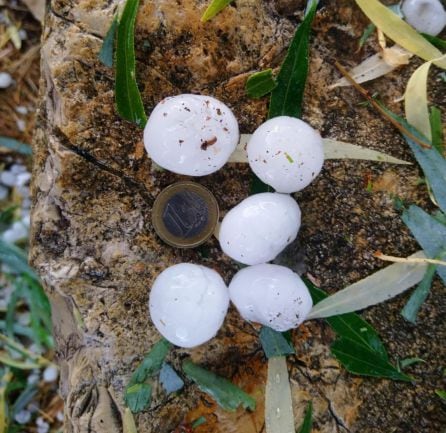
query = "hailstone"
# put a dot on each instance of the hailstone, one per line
(427, 16)
(191, 134)
(286, 153)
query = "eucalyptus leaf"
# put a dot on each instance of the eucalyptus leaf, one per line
(152, 362)
(441, 393)
(15, 145)
(368, 31)
(169, 379)
(429, 233)
(225, 393)
(373, 289)
(138, 396)
(435, 41)
(274, 343)
(260, 83)
(214, 8)
(127, 96)
(410, 310)
(307, 425)
(350, 326)
(108, 45)
(358, 359)
(436, 129)
(286, 98)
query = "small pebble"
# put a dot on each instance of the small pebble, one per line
(50, 374)
(5, 80)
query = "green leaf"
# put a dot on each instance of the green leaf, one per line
(169, 379)
(260, 84)
(226, 394)
(441, 393)
(436, 129)
(435, 41)
(152, 362)
(358, 359)
(286, 98)
(15, 145)
(137, 397)
(416, 300)
(108, 45)
(274, 343)
(307, 425)
(214, 8)
(366, 34)
(351, 326)
(429, 233)
(7, 217)
(128, 98)
(199, 421)
(404, 363)
(15, 259)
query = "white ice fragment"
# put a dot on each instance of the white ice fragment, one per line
(286, 153)
(22, 417)
(8, 178)
(426, 16)
(4, 192)
(5, 80)
(23, 178)
(50, 373)
(259, 228)
(21, 125)
(16, 232)
(272, 295)
(191, 134)
(188, 304)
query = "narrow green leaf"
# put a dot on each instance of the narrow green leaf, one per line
(260, 83)
(416, 300)
(366, 34)
(429, 233)
(137, 397)
(15, 145)
(404, 363)
(15, 259)
(436, 129)
(226, 394)
(213, 9)
(358, 359)
(307, 425)
(20, 365)
(351, 326)
(199, 421)
(435, 41)
(128, 422)
(286, 98)
(274, 343)
(169, 379)
(441, 393)
(108, 45)
(152, 362)
(128, 98)
(7, 217)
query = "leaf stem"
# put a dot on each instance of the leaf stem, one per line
(381, 256)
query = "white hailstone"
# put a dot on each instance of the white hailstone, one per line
(191, 134)
(8, 178)
(427, 16)
(5, 80)
(260, 227)
(16, 232)
(22, 417)
(4, 192)
(286, 153)
(50, 374)
(272, 295)
(188, 304)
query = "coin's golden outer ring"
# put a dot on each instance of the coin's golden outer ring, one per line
(160, 205)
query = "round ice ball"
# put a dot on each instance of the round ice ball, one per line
(188, 304)
(260, 227)
(286, 153)
(426, 16)
(191, 134)
(271, 295)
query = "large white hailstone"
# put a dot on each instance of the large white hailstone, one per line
(272, 295)
(191, 134)
(188, 304)
(426, 16)
(260, 227)
(286, 153)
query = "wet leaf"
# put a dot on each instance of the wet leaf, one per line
(108, 45)
(137, 397)
(307, 425)
(429, 233)
(373, 289)
(260, 83)
(15, 145)
(214, 8)
(127, 96)
(169, 379)
(286, 98)
(225, 393)
(358, 359)
(274, 343)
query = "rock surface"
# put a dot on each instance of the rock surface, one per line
(97, 253)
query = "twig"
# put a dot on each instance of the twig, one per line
(394, 259)
(366, 95)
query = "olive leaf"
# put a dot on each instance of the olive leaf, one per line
(15, 145)
(138, 396)
(307, 425)
(275, 343)
(436, 129)
(108, 45)
(260, 83)
(214, 8)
